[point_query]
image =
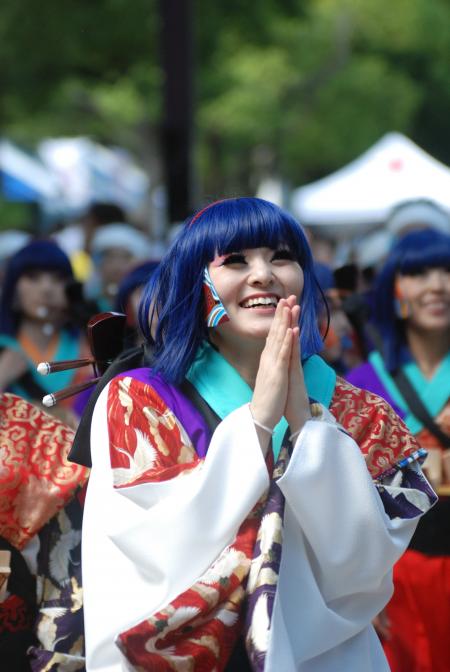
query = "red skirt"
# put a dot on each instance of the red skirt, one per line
(419, 614)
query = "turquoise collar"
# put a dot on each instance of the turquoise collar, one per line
(224, 390)
(68, 348)
(434, 393)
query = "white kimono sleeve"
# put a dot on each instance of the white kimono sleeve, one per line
(146, 544)
(339, 547)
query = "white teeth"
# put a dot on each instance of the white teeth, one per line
(261, 301)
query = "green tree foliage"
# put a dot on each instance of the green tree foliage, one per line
(294, 88)
(77, 67)
(329, 79)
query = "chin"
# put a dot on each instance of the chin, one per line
(258, 334)
(436, 325)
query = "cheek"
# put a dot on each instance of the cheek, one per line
(60, 296)
(408, 288)
(25, 292)
(297, 283)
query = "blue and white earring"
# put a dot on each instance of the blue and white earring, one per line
(215, 313)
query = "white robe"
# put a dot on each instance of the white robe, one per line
(144, 545)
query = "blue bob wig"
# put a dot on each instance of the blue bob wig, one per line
(43, 255)
(173, 299)
(416, 252)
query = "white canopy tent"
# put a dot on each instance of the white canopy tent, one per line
(361, 195)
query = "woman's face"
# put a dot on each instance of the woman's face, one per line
(41, 295)
(428, 296)
(250, 283)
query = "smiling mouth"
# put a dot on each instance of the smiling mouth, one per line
(261, 302)
(437, 305)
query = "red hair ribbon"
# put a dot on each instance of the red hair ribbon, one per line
(200, 212)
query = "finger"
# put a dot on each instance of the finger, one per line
(278, 316)
(284, 355)
(295, 352)
(295, 315)
(278, 327)
(291, 300)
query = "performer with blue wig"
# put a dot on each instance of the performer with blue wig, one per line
(412, 319)
(36, 324)
(245, 507)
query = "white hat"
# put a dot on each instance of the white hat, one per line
(420, 214)
(122, 236)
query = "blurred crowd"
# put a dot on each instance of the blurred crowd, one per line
(52, 286)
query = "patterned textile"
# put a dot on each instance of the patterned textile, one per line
(199, 628)
(382, 437)
(17, 613)
(263, 577)
(14, 615)
(36, 480)
(59, 626)
(405, 492)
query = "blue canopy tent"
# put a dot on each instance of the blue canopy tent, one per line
(24, 179)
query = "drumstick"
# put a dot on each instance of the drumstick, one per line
(45, 368)
(52, 399)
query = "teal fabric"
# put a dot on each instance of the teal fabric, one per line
(68, 348)
(434, 392)
(224, 390)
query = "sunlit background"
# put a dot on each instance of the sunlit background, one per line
(160, 106)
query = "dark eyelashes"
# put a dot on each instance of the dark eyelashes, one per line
(283, 254)
(237, 258)
(234, 258)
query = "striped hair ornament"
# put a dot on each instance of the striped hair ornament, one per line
(215, 313)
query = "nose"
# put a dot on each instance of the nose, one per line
(260, 273)
(46, 285)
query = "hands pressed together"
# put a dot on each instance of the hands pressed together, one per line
(280, 387)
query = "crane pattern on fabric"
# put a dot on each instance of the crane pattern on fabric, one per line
(149, 444)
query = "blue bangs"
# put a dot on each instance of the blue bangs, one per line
(174, 297)
(247, 223)
(420, 250)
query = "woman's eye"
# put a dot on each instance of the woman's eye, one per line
(283, 254)
(234, 258)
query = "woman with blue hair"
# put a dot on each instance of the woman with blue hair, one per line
(410, 368)
(245, 507)
(36, 323)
